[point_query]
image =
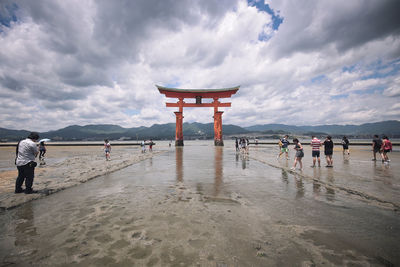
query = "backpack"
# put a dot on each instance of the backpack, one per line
(387, 145)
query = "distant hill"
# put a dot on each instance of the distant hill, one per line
(199, 130)
(6, 134)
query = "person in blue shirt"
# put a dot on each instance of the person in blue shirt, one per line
(284, 147)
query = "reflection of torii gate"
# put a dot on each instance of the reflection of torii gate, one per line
(198, 94)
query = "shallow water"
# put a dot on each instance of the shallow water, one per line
(208, 206)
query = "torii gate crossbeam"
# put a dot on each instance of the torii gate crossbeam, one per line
(198, 94)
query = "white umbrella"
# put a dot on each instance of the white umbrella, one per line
(45, 140)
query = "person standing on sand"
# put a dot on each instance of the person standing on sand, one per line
(376, 146)
(328, 150)
(386, 148)
(143, 145)
(25, 160)
(315, 147)
(151, 145)
(299, 154)
(236, 144)
(345, 144)
(107, 149)
(284, 145)
(42, 150)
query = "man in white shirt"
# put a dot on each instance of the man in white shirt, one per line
(26, 153)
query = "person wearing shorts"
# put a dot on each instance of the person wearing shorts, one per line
(345, 144)
(107, 149)
(315, 146)
(376, 146)
(284, 146)
(328, 150)
(386, 148)
(299, 154)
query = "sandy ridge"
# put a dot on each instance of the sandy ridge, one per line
(70, 172)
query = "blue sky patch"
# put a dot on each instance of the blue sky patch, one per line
(263, 36)
(175, 84)
(277, 20)
(348, 68)
(131, 112)
(318, 79)
(372, 90)
(7, 15)
(383, 70)
(342, 96)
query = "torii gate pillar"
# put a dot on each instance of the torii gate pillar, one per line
(218, 141)
(179, 129)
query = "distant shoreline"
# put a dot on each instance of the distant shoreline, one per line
(79, 143)
(130, 143)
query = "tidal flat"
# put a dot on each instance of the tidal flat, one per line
(202, 205)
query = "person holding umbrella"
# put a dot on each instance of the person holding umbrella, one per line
(42, 150)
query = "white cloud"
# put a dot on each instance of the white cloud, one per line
(85, 62)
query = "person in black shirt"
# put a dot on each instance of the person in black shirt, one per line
(345, 144)
(376, 146)
(328, 149)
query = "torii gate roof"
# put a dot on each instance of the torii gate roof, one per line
(193, 93)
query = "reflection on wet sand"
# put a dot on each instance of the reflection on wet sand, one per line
(330, 192)
(285, 177)
(316, 180)
(218, 180)
(299, 186)
(179, 163)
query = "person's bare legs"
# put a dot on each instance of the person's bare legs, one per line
(295, 163)
(330, 160)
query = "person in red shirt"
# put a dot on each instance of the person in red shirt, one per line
(386, 148)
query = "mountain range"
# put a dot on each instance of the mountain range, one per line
(202, 131)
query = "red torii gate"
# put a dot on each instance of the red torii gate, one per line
(198, 94)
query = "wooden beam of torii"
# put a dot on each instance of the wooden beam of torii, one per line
(198, 94)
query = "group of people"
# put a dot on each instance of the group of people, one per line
(107, 147)
(315, 148)
(242, 144)
(143, 145)
(382, 146)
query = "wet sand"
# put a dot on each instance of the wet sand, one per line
(209, 206)
(374, 182)
(64, 167)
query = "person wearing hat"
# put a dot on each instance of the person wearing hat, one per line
(25, 160)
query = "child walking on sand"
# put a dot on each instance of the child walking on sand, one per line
(283, 145)
(299, 154)
(107, 149)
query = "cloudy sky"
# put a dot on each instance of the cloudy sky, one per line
(305, 62)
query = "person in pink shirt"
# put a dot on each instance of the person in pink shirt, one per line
(315, 146)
